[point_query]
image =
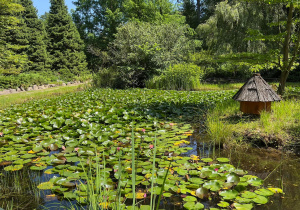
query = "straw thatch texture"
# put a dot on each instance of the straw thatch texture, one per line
(256, 90)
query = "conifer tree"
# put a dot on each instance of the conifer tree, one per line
(36, 35)
(13, 43)
(65, 46)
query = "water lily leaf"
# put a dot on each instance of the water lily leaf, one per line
(189, 205)
(167, 195)
(27, 156)
(182, 172)
(229, 194)
(190, 199)
(213, 185)
(264, 192)
(68, 184)
(38, 168)
(21, 161)
(194, 172)
(260, 199)
(70, 195)
(255, 182)
(58, 161)
(243, 206)
(223, 160)
(13, 168)
(45, 186)
(196, 180)
(248, 194)
(223, 204)
(243, 200)
(207, 160)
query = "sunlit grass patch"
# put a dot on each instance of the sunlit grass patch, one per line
(226, 124)
(18, 98)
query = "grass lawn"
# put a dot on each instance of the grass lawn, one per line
(227, 125)
(17, 98)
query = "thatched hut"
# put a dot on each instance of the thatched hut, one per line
(256, 95)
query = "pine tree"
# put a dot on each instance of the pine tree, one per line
(65, 46)
(13, 43)
(36, 35)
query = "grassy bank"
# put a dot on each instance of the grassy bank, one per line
(17, 98)
(228, 126)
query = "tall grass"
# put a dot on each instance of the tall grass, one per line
(226, 124)
(177, 77)
(218, 130)
(97, 195)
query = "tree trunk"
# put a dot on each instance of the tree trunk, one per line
(283, 77)
(285, 69)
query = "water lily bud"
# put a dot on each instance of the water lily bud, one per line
(118, 148)
(144, 130)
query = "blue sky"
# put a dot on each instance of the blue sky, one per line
(44, 5)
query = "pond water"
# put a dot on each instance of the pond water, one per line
(278, 169)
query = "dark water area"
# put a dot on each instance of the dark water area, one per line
(280, 169)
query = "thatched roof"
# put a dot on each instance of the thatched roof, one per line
(256, 90)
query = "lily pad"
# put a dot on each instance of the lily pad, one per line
(229, 194)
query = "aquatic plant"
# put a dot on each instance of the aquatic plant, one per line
(114, 149)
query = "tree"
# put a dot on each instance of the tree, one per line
(141, 50)
(225, 31)
(11, 41)
(286, 38)
(188, 9)
(97, 21)
(35, 34)
(65, 46)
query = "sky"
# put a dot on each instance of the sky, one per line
(44, 5)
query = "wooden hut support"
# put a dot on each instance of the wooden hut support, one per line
(249, 107)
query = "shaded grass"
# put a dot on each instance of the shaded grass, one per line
(18, 98)
(227, 125)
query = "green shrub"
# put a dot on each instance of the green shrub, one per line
(178, 77)
(26, 79)
(105, 78)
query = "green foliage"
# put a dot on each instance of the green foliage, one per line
(188, 10)
(141, 50)
(147, 11)
(26, 79)
(226, 30)
(65, 46)
(106, 78)
(178, 77)
(108, 144)
(97, 21)
(12, 42)
(36, 35)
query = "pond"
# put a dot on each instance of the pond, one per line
(75, 151)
